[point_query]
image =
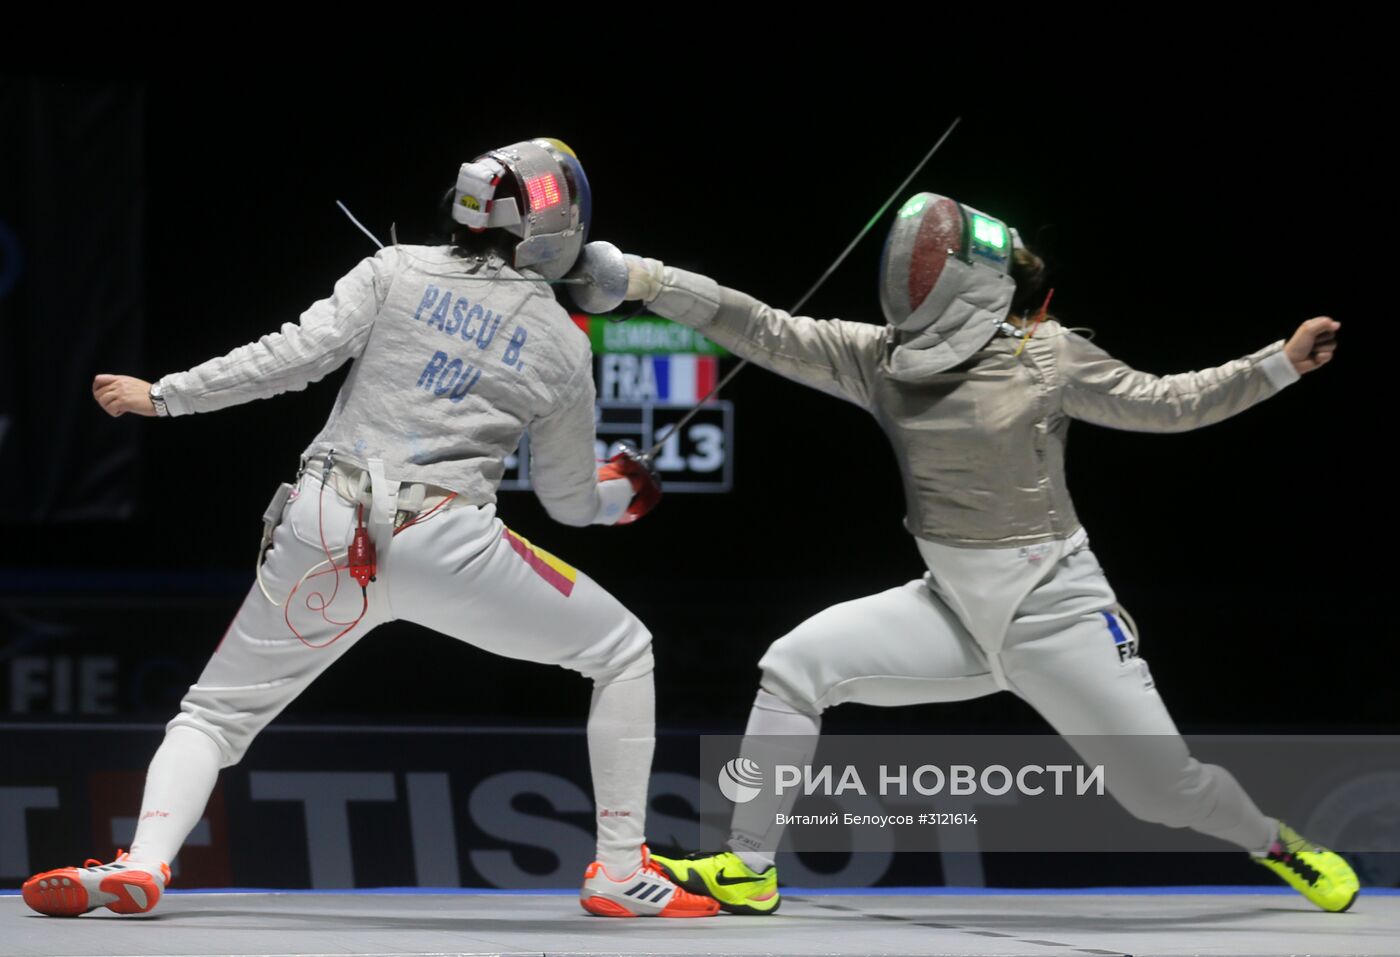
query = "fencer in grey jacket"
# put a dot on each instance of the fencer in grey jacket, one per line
(981, 446)
(1014, 599)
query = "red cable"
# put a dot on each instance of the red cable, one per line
(287, 616)
(325, 602)
(425, 514)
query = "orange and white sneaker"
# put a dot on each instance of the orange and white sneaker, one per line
(121, 886)
(646, 892)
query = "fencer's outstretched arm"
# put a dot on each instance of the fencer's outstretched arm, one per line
(120, 394)
(836, 357)
(330, 332)
(1100, 389)
(563, 461)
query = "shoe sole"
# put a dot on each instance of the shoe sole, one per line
(1303, 891)
(696, 885)
(1332, 910)
(603, 907)
(62, 894)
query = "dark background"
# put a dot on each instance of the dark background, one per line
(1187, 226)
(1184, 231)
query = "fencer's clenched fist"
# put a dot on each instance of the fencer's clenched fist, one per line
(1313, 344)
(119, 394)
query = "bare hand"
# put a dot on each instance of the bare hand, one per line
(1313, 345)
(119, 394)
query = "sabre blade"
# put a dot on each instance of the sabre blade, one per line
(876, 218)
(346, 210)
(695, 410)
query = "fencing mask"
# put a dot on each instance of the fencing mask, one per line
(945, 282)
(535, 190)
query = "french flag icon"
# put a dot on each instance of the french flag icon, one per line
(684, 379)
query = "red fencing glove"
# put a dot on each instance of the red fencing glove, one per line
(631, 464)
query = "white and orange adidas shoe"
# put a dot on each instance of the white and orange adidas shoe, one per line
(646, 892)
(122, 886)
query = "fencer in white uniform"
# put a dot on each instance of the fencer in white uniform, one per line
(1013, 598)
(453, 362)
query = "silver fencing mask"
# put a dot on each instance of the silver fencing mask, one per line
(547, 204)
(945, 282)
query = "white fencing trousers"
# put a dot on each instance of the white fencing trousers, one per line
(1060, 654)
(460, 572)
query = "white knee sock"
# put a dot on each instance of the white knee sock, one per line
(1234, 817)
(621, 738)
(178, 784)
(1267, 846)
(777, 733)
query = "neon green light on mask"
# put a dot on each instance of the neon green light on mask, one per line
(988, 231)
(913, 206)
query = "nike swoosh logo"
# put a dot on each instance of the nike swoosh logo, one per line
(726, 881)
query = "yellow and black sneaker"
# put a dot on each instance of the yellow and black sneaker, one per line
(1315, 872)
(725, 877)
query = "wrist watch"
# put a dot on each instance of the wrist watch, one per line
(158, 400)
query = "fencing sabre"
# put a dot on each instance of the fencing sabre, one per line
(695, 410)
